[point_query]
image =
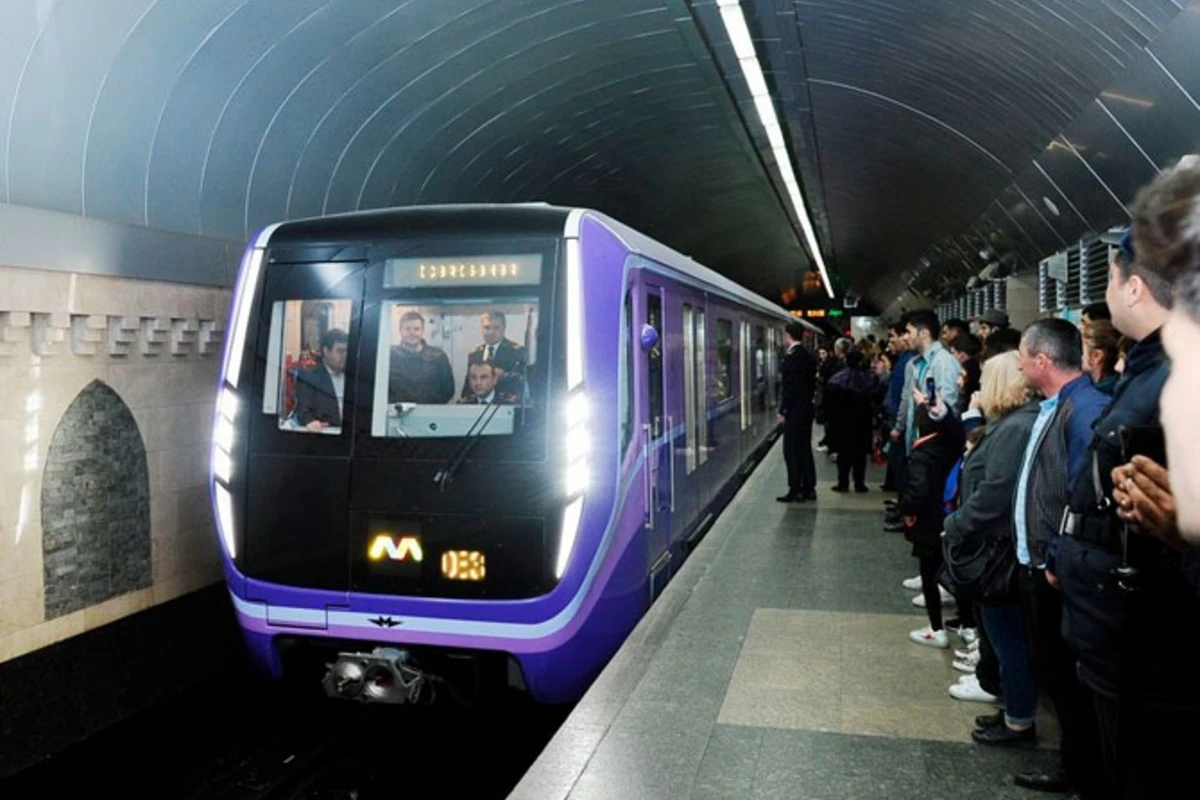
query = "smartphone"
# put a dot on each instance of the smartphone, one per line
(1144, 440)
(930, 390)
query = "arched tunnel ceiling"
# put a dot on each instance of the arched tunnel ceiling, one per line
(924, 113)
(217, 117)
(915, 126)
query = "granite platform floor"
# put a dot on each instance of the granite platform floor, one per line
(776, 664)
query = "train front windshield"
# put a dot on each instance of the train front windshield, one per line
(406, 393)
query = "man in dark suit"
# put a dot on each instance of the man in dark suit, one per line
(505, 355)
(799, 373)
(320, 389)
(482, 380)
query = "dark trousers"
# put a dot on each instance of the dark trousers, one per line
(897, 459)
(1006, 627)
(797, 453)
(1149, 752)
(988, 668)
(852, 458)
(930, 563)
(1054, 667)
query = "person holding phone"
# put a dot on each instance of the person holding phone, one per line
(934, 372)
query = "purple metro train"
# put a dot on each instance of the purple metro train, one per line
(473, 443)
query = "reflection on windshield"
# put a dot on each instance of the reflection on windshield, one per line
(439, 363)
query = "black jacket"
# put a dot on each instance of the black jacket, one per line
(799, 372)
(423, 376)
(929, 463)
(989, 478)
(316, 398)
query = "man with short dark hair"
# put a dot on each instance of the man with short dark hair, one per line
(965, 346)
(321, 389)
(1095, 311)
(506, 356)
(418, 372)
(899, 347)
(952, 329)
(1130, 609)
(799, 373)
(932, 361)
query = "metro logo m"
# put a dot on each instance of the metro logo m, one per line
(407, 548)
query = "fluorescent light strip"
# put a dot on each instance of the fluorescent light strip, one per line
(743, 46)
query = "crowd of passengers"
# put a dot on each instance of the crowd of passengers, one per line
(1032, 480)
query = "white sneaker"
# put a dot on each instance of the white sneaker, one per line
(913, 584)
(969, 689)
(971, 658)
(970, 636)
(919, 600)
(964, 666)
(930, 638)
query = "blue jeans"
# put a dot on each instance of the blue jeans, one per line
(1006, 629)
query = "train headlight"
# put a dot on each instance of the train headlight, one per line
(578, 445)
(570, 527)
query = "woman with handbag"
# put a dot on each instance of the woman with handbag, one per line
(979, 550)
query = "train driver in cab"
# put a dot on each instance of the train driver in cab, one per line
(505, 355)
(321, 388)
(419, 372)
(481, 378)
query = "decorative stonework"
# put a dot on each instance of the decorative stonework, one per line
(95, 505)
(49, 334)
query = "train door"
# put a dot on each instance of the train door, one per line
(300, 433)
(657, 434)
(691, 459)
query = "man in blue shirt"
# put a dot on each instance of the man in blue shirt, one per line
(1051, 354)
(903, 353)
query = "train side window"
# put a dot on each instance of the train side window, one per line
(723, 381)
(702, 389)
(654, 362)
(760, 368)
(306, 364)
(627, 396)
(745, 370)
(689, 388)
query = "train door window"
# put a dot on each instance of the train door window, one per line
(759, 357)
(654, 364)
(307, 351)
(627, 396)
(689, 387)
(744, 368)
(701, 389)
(723, 380)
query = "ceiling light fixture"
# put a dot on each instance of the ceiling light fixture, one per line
(743, 47)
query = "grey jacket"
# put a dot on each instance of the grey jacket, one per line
(936, 363)
(989, 478)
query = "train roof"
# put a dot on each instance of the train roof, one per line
(522, 218)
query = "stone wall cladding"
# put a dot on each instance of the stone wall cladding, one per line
(157, 347)
(95, 505)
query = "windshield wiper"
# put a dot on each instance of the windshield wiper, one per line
(446, 472)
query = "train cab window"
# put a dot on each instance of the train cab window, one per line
(306, 369)
(723, 380)
(454, 368)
